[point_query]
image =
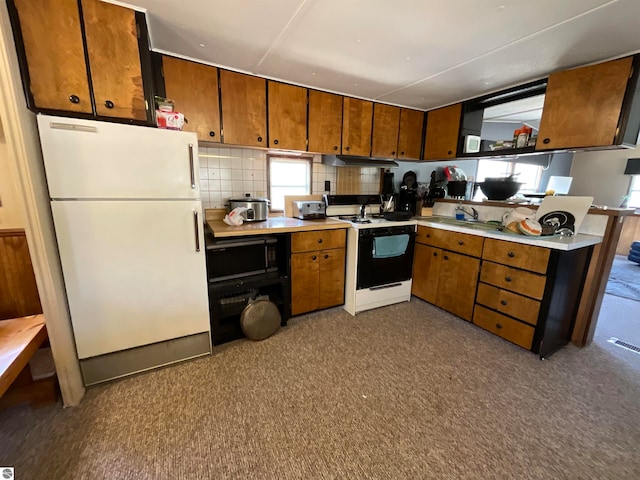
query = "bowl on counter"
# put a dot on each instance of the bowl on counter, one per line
(498, 189)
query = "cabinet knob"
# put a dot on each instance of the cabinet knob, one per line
(319, 240)
(74, 98)
(314, 257)
(212, 134)
(393, 153)
(275, 142)
(511, 254)
(435, 254)
(503, 302)
(428, 235)
(450, 152)
(401, 153)
(507, 278)
(259, 139)
(498, 325)
(546, 141)
(335, 147)
(347, 149)
(109, 104)
(326, 256)
(446, 257)
(460, 242)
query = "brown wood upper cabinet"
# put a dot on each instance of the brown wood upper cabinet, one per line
(58, 75)
(194, 89)
(244, 109)
(441, 137)
(410, 137)
(325, 122)
(386, 122)
(582, 106)
(357, 120)
(287, 116)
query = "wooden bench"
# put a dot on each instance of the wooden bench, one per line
(19, 340)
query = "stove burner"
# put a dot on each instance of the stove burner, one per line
(354, 219)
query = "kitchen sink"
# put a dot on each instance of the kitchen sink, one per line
(468, 223)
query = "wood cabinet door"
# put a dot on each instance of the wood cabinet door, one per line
(114, 60)
(19, 291)
(331, 291)
(287, 116)
(582, 106)
(194, 89)
(386, 124)
(458, 283)
(244, 109)
(410, 136)
(305, 282)
(426, 272)
(357, 120)
(441, 136)
(53, 46)
(325, 122)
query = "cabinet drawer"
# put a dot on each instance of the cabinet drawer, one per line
(517, 255)
(454, 241)
(526, 283)
(522, 308)
(318, 240)
(504, 327)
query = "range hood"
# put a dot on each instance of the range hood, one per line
(351, 161)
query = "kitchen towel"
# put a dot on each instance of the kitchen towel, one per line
(391, 246)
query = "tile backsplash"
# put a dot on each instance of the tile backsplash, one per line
(228, 172)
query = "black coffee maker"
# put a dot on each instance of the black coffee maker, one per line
(408, 197)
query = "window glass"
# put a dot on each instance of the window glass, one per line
(634, 192)
(288, 177)
(529, 174)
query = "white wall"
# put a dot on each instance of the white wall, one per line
(601, 174)
(11, 214)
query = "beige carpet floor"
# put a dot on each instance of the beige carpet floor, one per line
(406, 391)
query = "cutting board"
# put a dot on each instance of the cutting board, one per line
(577, 206)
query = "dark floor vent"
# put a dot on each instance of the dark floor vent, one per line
(626, 345)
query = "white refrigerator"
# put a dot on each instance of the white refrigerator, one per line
(128, 217)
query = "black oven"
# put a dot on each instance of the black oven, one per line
(237, 258)
(385, 255)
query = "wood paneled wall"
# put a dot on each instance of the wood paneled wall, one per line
(18, 290)
(630, 233)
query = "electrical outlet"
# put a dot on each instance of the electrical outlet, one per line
(327, 185)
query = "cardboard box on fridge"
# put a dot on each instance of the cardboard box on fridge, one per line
(169, 120)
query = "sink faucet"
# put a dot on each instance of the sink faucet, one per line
(473, 213)
(363, 210)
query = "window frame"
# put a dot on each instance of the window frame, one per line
(291, 158)
(634, 186)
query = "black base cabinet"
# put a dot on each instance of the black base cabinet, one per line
(530, 295)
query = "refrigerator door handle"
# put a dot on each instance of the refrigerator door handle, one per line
(197, 230)
(193, 173)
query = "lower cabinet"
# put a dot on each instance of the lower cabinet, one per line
(529, 295)
(317, 270)
(444, 277)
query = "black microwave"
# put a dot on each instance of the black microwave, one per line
(237, 258)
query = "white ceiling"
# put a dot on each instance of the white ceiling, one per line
(417, 53)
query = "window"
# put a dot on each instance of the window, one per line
(634, 192)
(529, 174)
(287, 176)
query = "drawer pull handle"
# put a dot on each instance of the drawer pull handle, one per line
(460, 242)
(511, 254)
(314, 257)
(319, 240)
(498, 325)
(507, 278)
(435, 254)
(503, 302)
(428, 235)
(326, 256)
(446, 257)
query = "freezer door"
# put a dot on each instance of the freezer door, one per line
(89, 160)
(133, 272)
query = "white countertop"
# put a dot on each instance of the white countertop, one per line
(555, 242)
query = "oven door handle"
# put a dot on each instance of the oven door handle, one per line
(370, 235)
